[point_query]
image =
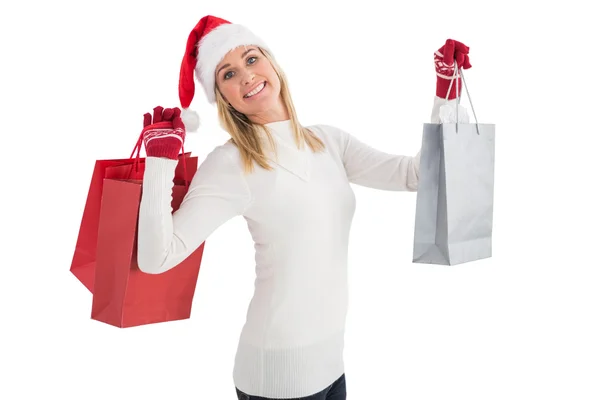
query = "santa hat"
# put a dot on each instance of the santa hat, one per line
(208, 43)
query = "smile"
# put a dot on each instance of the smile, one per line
(256, 91)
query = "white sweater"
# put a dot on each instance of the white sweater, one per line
(299, 216)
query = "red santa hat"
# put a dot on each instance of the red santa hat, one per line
(208, 43)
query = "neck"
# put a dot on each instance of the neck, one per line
(275, 114)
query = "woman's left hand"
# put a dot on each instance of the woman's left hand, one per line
(443, 60)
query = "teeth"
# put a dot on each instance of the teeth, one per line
(255, 91)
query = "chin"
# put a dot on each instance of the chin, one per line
(262, 105)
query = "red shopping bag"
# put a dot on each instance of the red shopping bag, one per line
(123, 295)
(84, 257)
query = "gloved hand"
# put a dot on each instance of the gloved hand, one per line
(163, 133)
(445, 66)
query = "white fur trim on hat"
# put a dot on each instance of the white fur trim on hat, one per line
(213, 47)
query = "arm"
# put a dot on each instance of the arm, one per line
(367, 166)
(217, 193)
(376, 169)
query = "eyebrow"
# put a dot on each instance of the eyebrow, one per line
(243, 55)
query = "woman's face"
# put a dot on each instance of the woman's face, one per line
(249, 83)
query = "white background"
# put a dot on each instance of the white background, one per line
(525, 324)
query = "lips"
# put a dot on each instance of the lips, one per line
(256, 90)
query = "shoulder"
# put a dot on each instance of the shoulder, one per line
(228, 150)
(326, 131)
(220, 170)
(332, 135)
(222, 159)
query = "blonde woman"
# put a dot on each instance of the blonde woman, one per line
(292, 185)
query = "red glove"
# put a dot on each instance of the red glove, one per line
(164, 136)
(444, 67)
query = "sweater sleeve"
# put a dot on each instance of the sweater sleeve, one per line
(217, 193)
(367, 166)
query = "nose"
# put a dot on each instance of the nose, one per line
(248, 77)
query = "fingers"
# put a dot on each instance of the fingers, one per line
(467, 63)
(161, 114)
(460, 47)
(460, 59)
(167, 114)
(461, 53)
(449, 52)
(158, 110)
(455, 50)
(177, 121)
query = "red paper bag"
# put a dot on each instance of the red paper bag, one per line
(123, 295)
(84, 257)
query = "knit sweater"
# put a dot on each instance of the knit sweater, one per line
(299, 215)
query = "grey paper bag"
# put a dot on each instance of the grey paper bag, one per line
(454, 212)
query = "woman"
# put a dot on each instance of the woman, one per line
(291, 184)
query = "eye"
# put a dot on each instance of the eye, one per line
(228, 75)
(252, 60)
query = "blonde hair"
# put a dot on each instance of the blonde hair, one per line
(246, 135)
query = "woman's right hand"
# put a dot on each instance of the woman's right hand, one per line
(163, 133)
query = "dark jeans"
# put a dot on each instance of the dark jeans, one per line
(335, 391)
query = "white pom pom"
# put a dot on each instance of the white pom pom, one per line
(190, 119)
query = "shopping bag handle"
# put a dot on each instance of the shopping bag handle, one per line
(462, 76)
(138, 148)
